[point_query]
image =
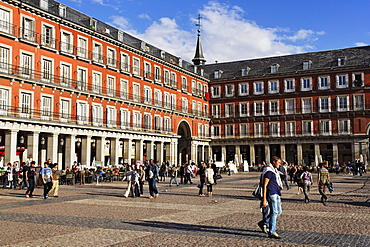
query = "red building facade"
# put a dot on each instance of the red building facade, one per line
(306, 108)
(73, 88)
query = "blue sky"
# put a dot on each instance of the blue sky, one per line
(237, 29)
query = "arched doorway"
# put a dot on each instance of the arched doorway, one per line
(184, 143)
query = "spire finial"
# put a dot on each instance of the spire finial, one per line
(199, 57)
(198, 23)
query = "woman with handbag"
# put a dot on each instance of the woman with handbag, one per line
(209, 179)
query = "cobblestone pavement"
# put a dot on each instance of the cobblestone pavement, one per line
(99, 215)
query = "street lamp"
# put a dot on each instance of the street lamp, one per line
(42, 141)
(78, 142)
(21, 140)
(61, 142)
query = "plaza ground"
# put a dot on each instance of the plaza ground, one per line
(99, 215)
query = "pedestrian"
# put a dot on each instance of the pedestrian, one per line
(307, 182)
(98, 175)
(201, 172)
(31, 179)
(188, 174)
(141, 179)
(172, 173)
(209, 179)
(81, 174)
(8, 176)
(283, 175)
(130, 178)
(272, 186)
(297, 179)
(46, 173)
(323, 179)
(55, 180)
(151, 174)
(163, 172)
(15, 174)
(24, 176)
(292, 170)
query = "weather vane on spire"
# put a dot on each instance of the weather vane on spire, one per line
(198, 24)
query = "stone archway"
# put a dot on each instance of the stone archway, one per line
(184, 143)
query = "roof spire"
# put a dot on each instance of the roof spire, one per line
(199, 57)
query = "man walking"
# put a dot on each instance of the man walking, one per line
(46, 179)
(30, 178)
(152, 175)
(323, 180)
(272, 186)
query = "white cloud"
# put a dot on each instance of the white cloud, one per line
(144, 16)
(360, 44)
(226, 36)
(120, 22)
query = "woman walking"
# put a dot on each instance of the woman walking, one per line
(209, 179)
(307, 182)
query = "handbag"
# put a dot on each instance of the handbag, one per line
(258, 192)
(210, 180)
(330, 187)
(218, 176)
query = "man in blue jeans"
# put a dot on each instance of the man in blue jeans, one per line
(271, 198)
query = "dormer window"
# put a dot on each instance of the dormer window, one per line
(245, 71)
(93, 24)
(217, 74)
(342, 61)
(44, 4)
(307, 65)
(120, 36)
(274, 68)
(62, 11)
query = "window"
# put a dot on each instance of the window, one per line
(258, 130)
(26, 104)
(136, 66)
(157, 98)
(307, 65)
(194, 107)
(342, 81)
(324, 82)
(273, 86)
(5, 25)
(358, 102)
(147, 121)
(215, 91)
(158, 122)
(193, 86)
(47, 69)
(289, 106)
(342, 61)
(157, 74)
(65, 74)
(258, 108)
(166, 77)
(199, 109)
(306, 84)
(82, 112)
(173, 102)
(243, 89)
(245, 72)
(147, 70)
(28, 28)
(167, 124)
(147, 95)
(136, 119)
(111, 85)
(4, 101)
(124, 89)
(81, 78)
(306, 105)
(26, 65)
(4, 59)
(125, 62)
(200, 87)
(111, 116)
(167, 100)
(125, 118)
(357, 79)
(229, 89)
(62, 11)
(274, 68)
(97, 115)
(48, 35)
(66, 42)
(289, 85)
(229, 110)
(184, 84)
(274, 107)
(97, 53)
(258, 88)
(185, 105)
(111, 57)
(46, 107)
(325, 127)
(244, 130)
(244, 109)
(200, 129)
(289, 128)
(324, 104)
(307, 128)
(344, 126)
(274, 129)
(217, 74)
(205, 112)
(96, 82)
(173, 80)
(65, 110)
(229, 130)
(82, 47)
(216, 131)
(342, 103)
(216, 111)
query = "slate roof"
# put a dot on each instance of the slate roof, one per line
(358, 56)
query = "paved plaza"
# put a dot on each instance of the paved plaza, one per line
(99, 215)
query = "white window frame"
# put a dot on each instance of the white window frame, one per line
(158, 97)
(306, 109)
(136, 92)
(46, 106)
(321, 104)
(274, 129)
(111, 57)
(158, 123)
(136, 119)
(185, 105)
(82, 112)
(26, 64)
(26, 103)
(157, 74)
(358, 74)
(229, 130)
(272, 90)
(111, 116)
(273, 110)
(339, 80)
(325, 127)
(216, 91)
(5, 55)
(243, 109)
(28, 32)
(229, 110)
(259, 105)
(357, 104)
(244, 89)
(167, 77)
(124, 88)
(287, 85)
(321, 79)
(258, 130)
(290, 128)
(48, 40)
(96, 81)
(136, 66)
(5, 94)
(125, 62)
(47, 69)
(167, 124)
(147, 70)
(111, 85)
(339, 103)
(342, 129)
(148, 122)
(82, 75)
(148, 99)
(97, 49)
(173, 102)
(229, 90)
(125, 118)
(65, 110)
(83, 47)
(216, 131)
(5, 21)
(66, 45)
(184, 83)
(307, 128)
(287, 107)
(65, 74)
(216, 110)
(258, 90)
(303, 83)
(244, 130)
